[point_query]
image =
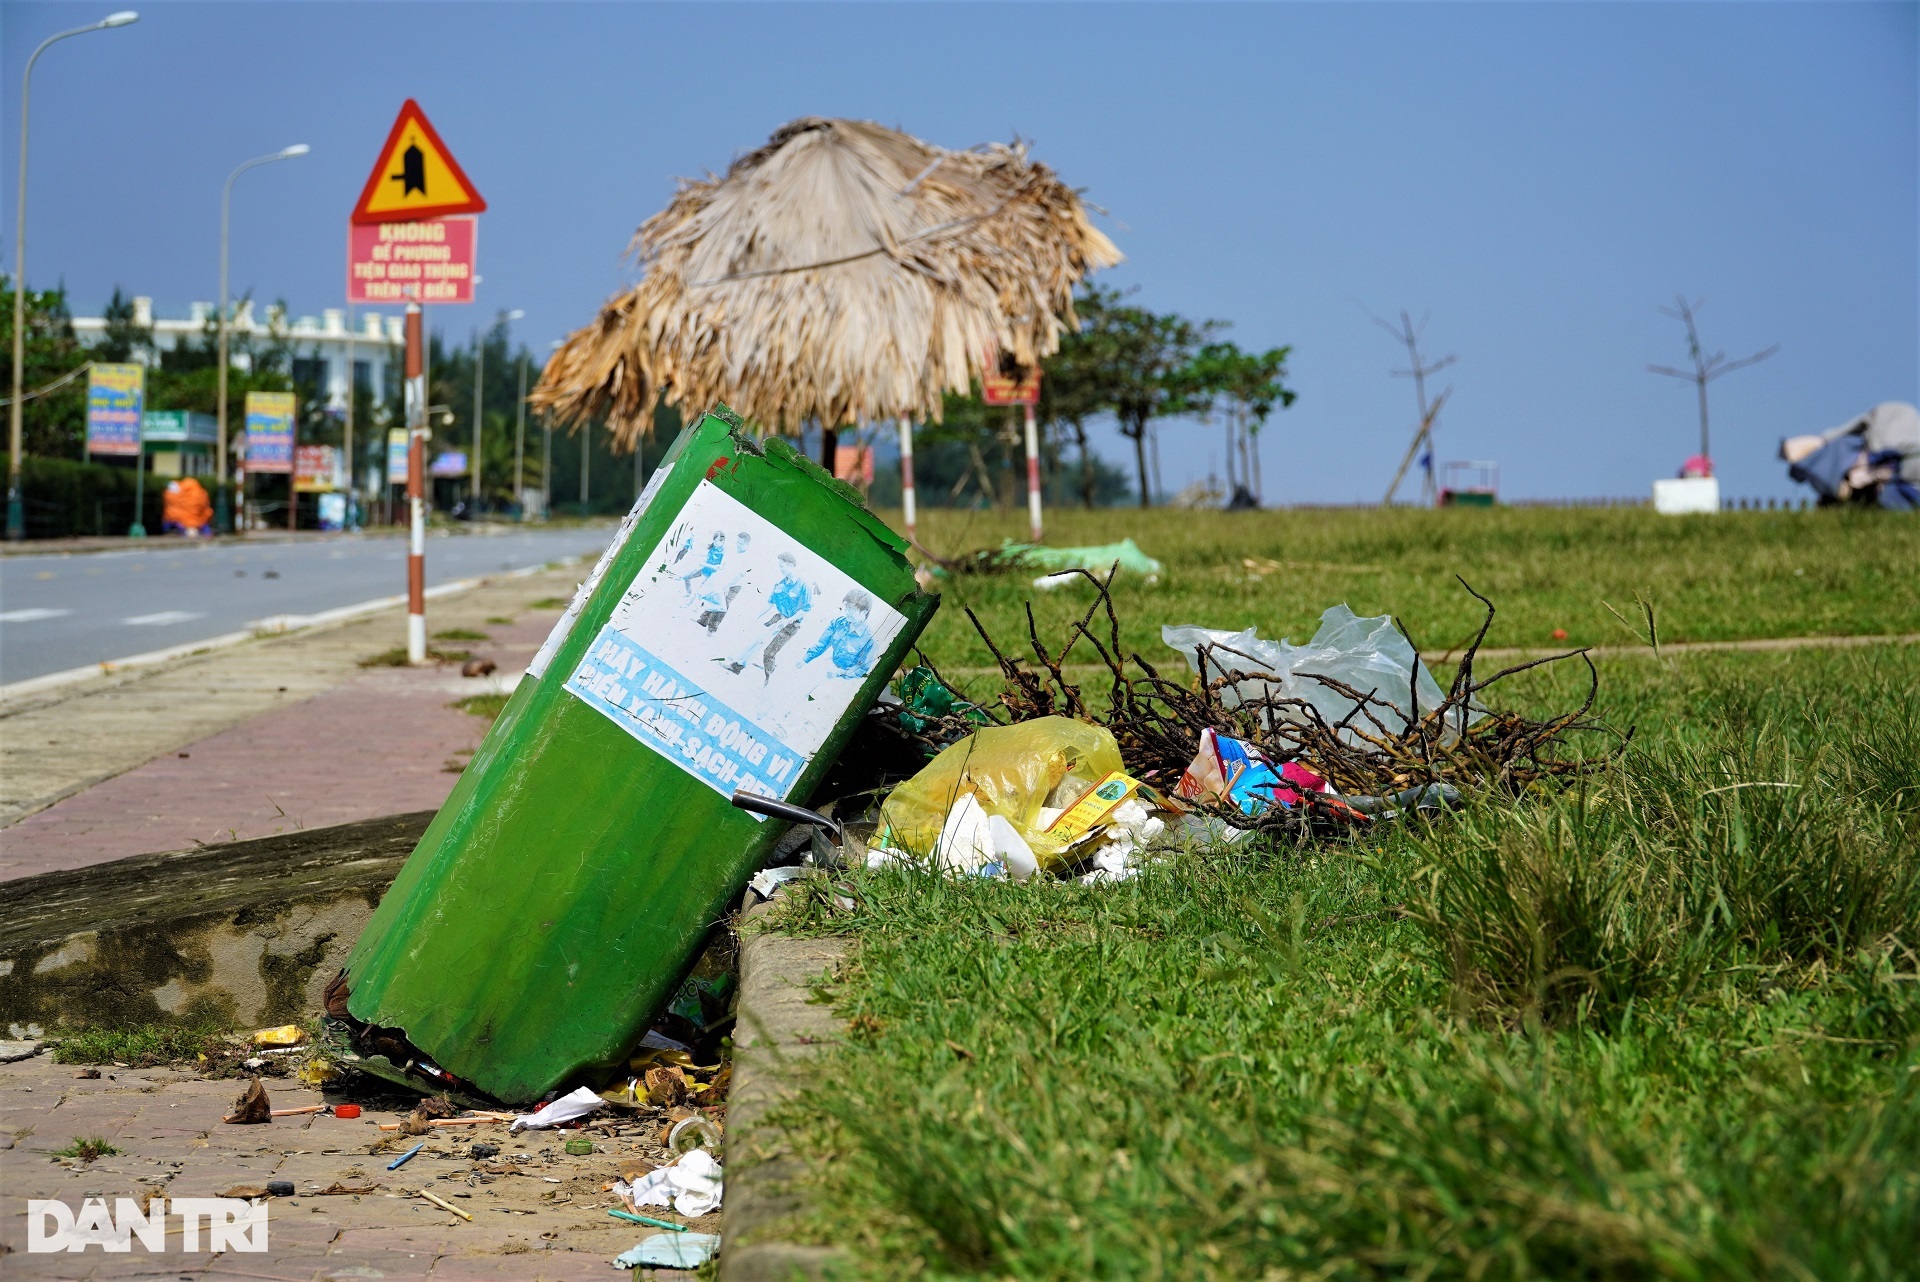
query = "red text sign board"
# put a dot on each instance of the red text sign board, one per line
(422, 262)
(998, 389)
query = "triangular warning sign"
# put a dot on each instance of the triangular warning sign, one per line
(417, 176)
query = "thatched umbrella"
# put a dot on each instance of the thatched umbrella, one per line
(843, 273)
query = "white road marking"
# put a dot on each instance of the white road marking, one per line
(31, 616)
(162, 619)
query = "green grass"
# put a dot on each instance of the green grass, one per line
(482, 705)
(499, 619)
(1666, 1024)
(460, 634)
(87, 1150)
(139, 1047)
(549, 603)
(1733, 576)
(397, 657)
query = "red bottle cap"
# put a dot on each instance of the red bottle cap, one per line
(346, 1110)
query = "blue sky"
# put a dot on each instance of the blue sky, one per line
(1538, 177)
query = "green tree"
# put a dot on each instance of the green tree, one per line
(54, 422)
(124, 338)
(1246, 387)
(1142, 369)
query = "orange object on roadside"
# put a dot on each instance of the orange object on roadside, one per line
(186, 507)
(346, 1110)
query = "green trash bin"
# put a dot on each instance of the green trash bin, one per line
(748, 612)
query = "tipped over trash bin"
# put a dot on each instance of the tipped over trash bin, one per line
(746, 615)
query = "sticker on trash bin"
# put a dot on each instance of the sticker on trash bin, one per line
(736, 650)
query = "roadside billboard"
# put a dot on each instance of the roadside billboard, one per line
(270, 432)
(116, 398)
(314, 468)
(396, 456)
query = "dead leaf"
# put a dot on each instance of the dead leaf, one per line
(245, 1190)
(252, 1107)
(666, 1086)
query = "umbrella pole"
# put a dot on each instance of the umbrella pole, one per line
(906, 472)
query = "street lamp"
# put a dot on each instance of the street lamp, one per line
(16, 513)
(479, 366)
(221, 514)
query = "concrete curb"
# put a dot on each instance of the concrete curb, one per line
(777, 1032)
(271, 626)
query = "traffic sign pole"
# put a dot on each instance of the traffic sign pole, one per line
(906, 472)
(1033, 474)
(416, 488)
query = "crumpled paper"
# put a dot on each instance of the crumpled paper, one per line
(691, 1186)
(565, 1109)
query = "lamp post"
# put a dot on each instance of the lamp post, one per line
(520, 442)
(222, 517)
(479, 368)
(16, 512)
(546, 453)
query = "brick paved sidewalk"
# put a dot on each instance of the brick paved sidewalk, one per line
(546, 1222)
(368, 743)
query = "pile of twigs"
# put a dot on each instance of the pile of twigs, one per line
(1376, 750)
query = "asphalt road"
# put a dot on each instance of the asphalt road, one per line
(65, 611)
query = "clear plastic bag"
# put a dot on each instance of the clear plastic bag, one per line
(1009, 771)
(1370, 655)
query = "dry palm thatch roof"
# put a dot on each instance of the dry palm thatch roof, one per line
(844, 272)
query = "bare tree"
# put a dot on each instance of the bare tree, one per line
(1705, 368)
(1409, 333)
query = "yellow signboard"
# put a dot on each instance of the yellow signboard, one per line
(416, 177)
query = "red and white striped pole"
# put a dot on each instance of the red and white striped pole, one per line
(416, 489)
(906, 472)
(1033, 474)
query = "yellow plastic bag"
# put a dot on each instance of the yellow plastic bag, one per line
(1011, 771)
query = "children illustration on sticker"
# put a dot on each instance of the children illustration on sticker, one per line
(740, 611)
(848, 640)
(787, 607)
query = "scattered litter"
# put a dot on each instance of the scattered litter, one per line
(446, 1206)
(253, 1106)
(567, 1108)
(767, 882)
(926, 701)
(693, 1132)
(478, 668)
(580, 1148)
(1028, 775)
(633, 1218)
(1061, 564)
(302, 1111)
(317, 1072)
(1350, 661)
(346, 1110)
(1346, 730)
(668, 1251)
(405, 1157)
(285, 1035)
(480, 1152)
(692, 1185)
(279, 1188)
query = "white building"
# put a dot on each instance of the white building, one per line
(324, 348)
